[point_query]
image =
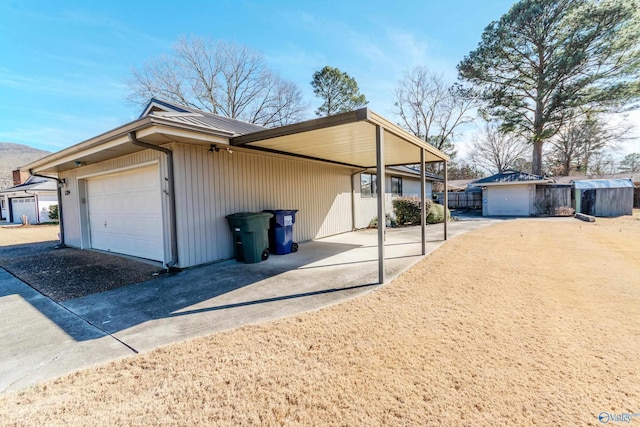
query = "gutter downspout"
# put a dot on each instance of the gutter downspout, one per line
(59, 181)
(37, 205)
(172, 195)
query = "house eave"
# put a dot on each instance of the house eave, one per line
(116, 143)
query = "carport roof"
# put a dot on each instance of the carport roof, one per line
(347, 139)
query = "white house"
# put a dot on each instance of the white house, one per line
(32, 199)
(161, 186)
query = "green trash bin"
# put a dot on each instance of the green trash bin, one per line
(250, 235)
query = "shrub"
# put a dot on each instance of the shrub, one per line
(436, 214)
(53, 212)
(391, 222)
(407, 209)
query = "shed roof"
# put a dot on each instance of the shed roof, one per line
(635, 177)
(603, 183)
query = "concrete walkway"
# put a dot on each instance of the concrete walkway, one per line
(43, 339)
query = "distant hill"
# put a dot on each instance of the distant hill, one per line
(12, 156)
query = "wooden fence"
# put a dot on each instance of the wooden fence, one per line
(460, 200)
(551, 197)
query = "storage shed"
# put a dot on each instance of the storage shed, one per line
(604, 197)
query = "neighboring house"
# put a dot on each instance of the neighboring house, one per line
(510, 193)
(160, 187)
(401, 181)
(32, 199)
(604, 197)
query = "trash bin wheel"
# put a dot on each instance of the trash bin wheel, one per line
(294, 247)
(265, 254)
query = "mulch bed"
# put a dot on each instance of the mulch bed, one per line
(67, 273)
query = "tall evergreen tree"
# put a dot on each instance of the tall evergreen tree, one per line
(547, 60)
(338, 91)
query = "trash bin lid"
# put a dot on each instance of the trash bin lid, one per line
(249, 215)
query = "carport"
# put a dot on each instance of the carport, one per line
(360, 139)
(92, 172)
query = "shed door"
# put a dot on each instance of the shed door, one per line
(125, 213)
(508, 201)
(24, 206)
(588, 204)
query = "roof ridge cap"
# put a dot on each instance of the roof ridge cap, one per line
(174, 114)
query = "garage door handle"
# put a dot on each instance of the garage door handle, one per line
(105, 223)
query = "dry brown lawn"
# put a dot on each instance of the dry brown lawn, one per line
(521, 323)
(28, 234)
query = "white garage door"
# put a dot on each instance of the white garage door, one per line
(24, 206)
(125, 213)
(508, 201)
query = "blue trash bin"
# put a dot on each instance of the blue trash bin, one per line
(281, 231)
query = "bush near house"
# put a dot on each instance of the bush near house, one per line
(436, 214)
(53, 212)
(391, 222)
(407, 209)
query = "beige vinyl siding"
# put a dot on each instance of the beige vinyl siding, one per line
(210, 186)
(410, 187)
(74, 203)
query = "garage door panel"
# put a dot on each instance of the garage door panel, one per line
(24, 206)
(125, 213)
(508, 201)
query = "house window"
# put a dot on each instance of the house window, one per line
(368, 185)
(396, 186)
(2, 204)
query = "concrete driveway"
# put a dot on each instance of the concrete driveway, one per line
(44, 339)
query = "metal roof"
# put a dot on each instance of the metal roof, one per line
(635, 177)
(509, 176)
(603, 183)
(235, 127)
(415, 171)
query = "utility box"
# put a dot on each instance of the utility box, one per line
(250, 235)
(281, 231)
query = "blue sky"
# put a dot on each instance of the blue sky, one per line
(64, 64)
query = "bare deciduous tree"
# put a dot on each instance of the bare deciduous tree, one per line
(630, 163)
(432, 109)
(224, 78)
(573, 149)
(496, 151)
